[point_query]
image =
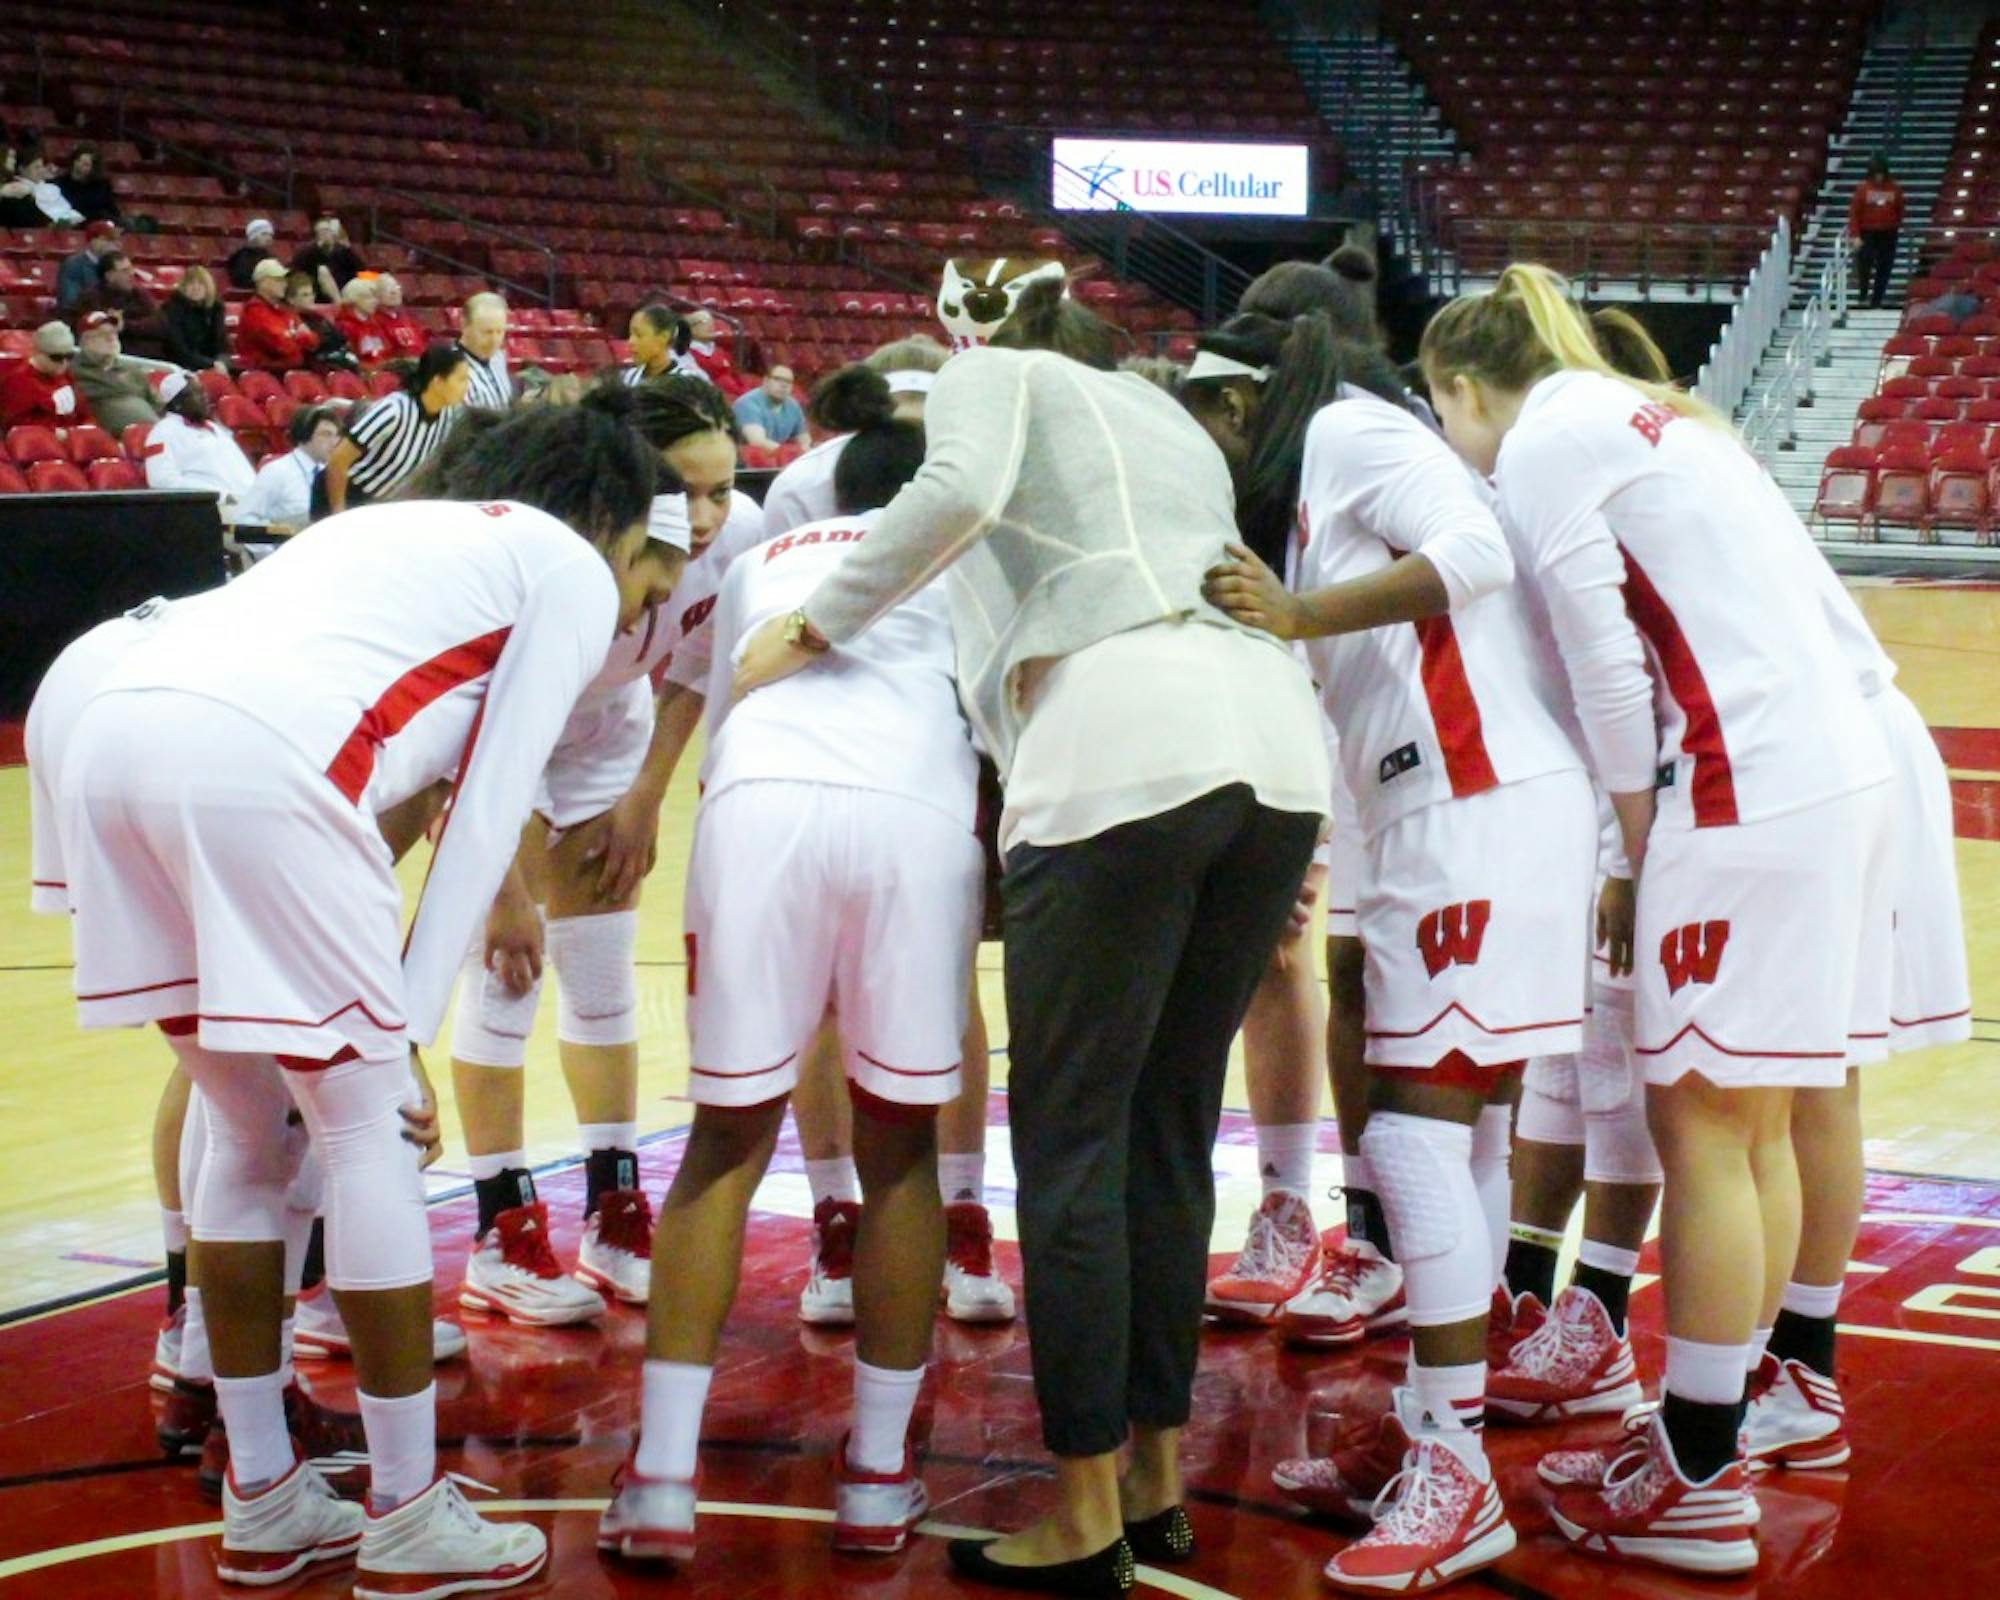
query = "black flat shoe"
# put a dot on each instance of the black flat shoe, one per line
(1108, 1575)
(1165, 1540)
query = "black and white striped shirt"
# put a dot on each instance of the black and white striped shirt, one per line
(490, 388)
(395, 438)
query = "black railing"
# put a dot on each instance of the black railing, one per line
(399, 203)
(146, 101)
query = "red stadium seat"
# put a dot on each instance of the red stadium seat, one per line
(134, 440)
(11, 481)
(1902, 486)
(1846, 485)
(259, 386)
(116, 474)
(1960, 496)
(235, 411)
(305, 387)
(346, 386)
(57, 477)
(29, 442)
(383, 383)
(91, 443)
(215, 384)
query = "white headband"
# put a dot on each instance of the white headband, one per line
(1207, 365)
(909, 382)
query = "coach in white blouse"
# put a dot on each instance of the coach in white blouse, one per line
(1165, 784)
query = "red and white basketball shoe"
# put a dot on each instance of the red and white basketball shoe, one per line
(513, 1273)
(827, 1301)
(1510, 1319)
(875, 1512)
(973, 1290)
(1441, 1518)
(1587, 1466)
(1346, 1479)
(1647, 1511)
(616, 1256)
(437, 1545)
(1796, 1419)
(1574, 1365)
(649, 1519)
(1278, 1260)
(319, 1334)
(167, 1351)
(183, 1420)
(1358, 1292)
(284, 1528)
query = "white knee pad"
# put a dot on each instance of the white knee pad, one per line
(597, 1000)
(194, 1146)
(1423, 1173)
(1617, 1142)
(1492, 1146)
(490, 1024)
(1550, 1112)
(377, 1236)
(249, 1152)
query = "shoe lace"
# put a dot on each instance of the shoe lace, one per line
(969, 1240)
(1413, 1499)
(1565, 1337)
(457, 1507)
(1630, 1476)
(1341, 1274)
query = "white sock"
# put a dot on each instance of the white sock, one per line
(492, 1166)
(1454, 1396)
(1285, 1156)
(197, 1366)
(833, 1180)
(1491, 1141)
(1760, 1341)
(883, 1402)
(962, 1177)
(1812, 1299)
(174, 1229)
(402, 1446)
(608, 1135)
(1357, 1173)
(1707, 1374)
(260, 1445)
(285, 1352)
(672, 1397)
(1607, 1258)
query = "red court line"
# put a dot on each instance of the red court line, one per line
(1975, 808)
(1971, 749)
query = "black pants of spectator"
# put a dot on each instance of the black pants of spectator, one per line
(1131, 959)
(1877, 259)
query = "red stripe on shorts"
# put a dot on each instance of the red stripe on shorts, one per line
(907, 1072)
(428, 681)
(1758, 1055)
(1454, 710)
(1714, 779)
(146, 988)
(710, 1072)
(1520, 1027)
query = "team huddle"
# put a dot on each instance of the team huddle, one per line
(1631, 853)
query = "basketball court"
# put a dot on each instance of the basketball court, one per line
(89, 1508)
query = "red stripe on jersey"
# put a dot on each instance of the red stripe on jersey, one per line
(1453, 709)
(423, 684)
(1714, 780)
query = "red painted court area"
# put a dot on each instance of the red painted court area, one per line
(544, 1417)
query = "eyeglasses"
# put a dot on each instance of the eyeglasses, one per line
(64, 356)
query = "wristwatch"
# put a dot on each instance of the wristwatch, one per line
(800, 632)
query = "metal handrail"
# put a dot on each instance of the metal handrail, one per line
(205, 113)
(1669, 252)
(402, 199)
(1733, 359)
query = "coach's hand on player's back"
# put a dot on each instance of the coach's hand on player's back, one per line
(769, 656)
(1252, 593)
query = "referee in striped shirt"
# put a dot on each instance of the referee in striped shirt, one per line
(393, 437)
(482, 335)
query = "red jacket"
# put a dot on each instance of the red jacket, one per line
(273, 337)
(367, 337)
(1876, 207)
(721, 369)
(406, 338)
(29, 396)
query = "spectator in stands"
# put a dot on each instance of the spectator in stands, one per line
(116, 385)
(269, 335)
(142, 326)
(1875, 217)
(282, 496)
(30, 199)
(658, 340)
(256, 247)
(715, 361)
(40, 389)
(769, 415)
(197, 335)
(186, 450)
(330, 347)
(406, 337)
(79, 274)
(329, 262)
(393, 437)
(482, 335)
(86, 188)
(360, 322)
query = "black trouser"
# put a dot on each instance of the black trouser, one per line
(1877, 258)
(1131, 958)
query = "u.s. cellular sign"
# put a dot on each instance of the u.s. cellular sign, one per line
(1268, 180)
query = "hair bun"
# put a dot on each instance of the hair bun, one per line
(854, 398)
(1353, 263)
(613, 400)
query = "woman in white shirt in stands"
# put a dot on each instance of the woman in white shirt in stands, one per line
(281, 498)
(185, 450)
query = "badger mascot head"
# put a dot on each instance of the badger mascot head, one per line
(975, 299)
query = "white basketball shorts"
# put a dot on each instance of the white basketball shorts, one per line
(1343, 854)
(805, 894)
(1476, 915)
(1930, 995)
(1763, 949)
(598, 756)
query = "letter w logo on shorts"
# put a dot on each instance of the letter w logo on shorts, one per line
(1692, 954)
(1453, 936)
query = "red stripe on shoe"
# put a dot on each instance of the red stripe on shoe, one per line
(423, 684)
(1714, 780)
(1454, 709)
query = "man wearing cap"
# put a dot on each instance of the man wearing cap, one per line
(270, 335)
(256, 247)
(330, 261)
(187, 451)
(142, 326)
(40, 389)
(79, 273)
(114, 383)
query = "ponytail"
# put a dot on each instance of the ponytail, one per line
(882, 452)
(1628, 346)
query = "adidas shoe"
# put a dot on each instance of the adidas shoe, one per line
(167, 1352)
(1647, 1511)
(649, 1519)
(827, 1301)
(1574, 1365)
(1510, 1320)
(513, 1273)
(183, 1421)
(1438, 1519)
(1589, 1465)
(616, 1256)
(1277, 1261)
(437, 1545)
(284, 1528)
(1358, 1292)
(318, 1334)
(973, 1290)
(874, 1513)
(1347, 1477)
(1796, 1418)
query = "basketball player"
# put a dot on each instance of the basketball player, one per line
(834, 853)
(1478, 826)
(381, 643)
(1753, 796)
(597, 795)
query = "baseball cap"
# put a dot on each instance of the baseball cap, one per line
(98, 319)
(256, 226)
(172, 385)
(101, 229)
(269, 267)
(55, 339)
